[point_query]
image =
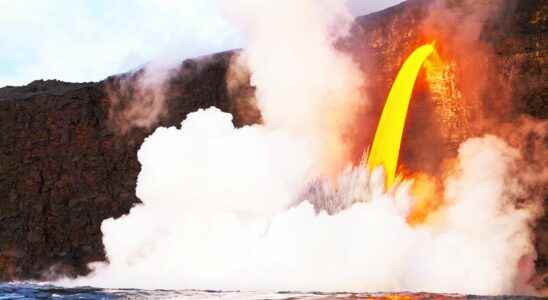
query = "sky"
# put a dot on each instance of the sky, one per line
(88, 40)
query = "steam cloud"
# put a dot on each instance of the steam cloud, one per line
(306, 88)
(215, 216)
(223, 208)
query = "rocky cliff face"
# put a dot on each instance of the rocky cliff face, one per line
(65, 166)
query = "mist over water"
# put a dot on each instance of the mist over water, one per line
(218, 214)
(230, 208)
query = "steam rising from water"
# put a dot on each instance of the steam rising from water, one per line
(223, 208)
(304, 85)
(215, 216)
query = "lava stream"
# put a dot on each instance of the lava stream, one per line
(386, 144)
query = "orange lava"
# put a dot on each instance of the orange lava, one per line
(427, 195)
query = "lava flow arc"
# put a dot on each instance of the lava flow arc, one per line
(386, 144)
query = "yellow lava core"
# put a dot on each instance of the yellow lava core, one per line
(386, 144)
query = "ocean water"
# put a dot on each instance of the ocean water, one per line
(40, 291)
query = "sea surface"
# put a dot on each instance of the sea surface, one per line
(40, 291)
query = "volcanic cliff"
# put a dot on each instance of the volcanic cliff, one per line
(65, 164)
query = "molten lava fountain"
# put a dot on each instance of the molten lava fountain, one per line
(386, 144)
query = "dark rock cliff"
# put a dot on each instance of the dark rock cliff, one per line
(65, 167)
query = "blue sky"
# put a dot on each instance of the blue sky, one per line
(87, 40)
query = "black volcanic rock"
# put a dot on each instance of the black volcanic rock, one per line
(65, 167)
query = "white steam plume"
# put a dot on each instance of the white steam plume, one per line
(304, 85)
(214, 217)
